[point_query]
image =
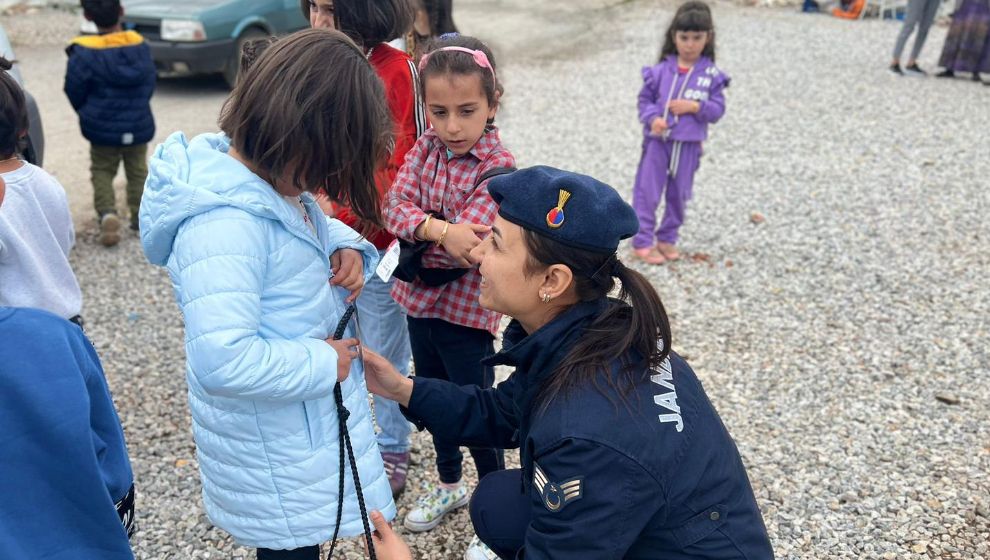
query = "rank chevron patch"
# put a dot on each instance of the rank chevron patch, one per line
(555, 495)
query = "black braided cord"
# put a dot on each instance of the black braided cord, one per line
(344, 443)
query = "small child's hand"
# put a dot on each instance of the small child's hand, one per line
(388, 545)
(684, 106)
(658, 126)
(325, 204)
(347, 351)
(461, 238)
(348, 272)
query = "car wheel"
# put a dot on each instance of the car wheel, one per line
(233, 68)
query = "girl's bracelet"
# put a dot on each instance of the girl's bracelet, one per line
(426, 227)
(443, 234)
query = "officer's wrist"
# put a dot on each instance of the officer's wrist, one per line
(404, 392)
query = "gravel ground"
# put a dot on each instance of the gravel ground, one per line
(834, 299)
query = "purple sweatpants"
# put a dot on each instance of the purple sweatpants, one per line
(669, 166)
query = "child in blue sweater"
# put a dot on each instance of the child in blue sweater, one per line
(66, 480)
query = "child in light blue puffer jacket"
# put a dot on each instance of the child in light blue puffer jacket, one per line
(262, 278)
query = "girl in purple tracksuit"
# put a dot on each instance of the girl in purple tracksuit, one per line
(681, 95)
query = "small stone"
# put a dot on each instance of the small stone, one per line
(947, 398)
(920, 548)
(757, 218)
(848, 497)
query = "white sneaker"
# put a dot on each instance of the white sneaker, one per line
(435, 502)
(478, 551)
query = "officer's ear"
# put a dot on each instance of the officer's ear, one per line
(558, 280)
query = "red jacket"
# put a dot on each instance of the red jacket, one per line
(401, 79)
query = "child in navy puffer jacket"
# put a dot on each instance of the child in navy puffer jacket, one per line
(109, 81)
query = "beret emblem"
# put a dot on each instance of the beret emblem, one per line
(555, 217)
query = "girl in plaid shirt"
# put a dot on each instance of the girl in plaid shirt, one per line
(435, 198)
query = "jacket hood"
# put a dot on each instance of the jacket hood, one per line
(190, 177)
(119, 58)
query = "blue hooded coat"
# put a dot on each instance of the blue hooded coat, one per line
(251, 280)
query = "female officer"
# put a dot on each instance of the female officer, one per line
(623, 455)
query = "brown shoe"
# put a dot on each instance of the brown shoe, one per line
(649, 255)
(109, 230)
(668, 251)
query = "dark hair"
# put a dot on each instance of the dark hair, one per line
(326, 123)
(104, 13)
(13, 113)
(636, 333)
(441, 14)
(693, 15)
(370, 22)
(440, 62)
(251, 51)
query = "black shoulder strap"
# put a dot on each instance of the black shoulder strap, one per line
(493, 172)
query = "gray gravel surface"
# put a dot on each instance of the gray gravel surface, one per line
(834, 296)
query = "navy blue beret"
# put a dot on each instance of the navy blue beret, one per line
(573, 209)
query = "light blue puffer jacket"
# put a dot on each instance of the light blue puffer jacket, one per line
(252, 284)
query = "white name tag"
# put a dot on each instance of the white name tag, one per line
(390, 260)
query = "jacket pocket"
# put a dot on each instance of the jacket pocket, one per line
(700, 526)
(314, 423)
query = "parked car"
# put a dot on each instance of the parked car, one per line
(34, 146)
(205, 36)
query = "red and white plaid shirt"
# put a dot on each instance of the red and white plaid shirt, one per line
(434, 180)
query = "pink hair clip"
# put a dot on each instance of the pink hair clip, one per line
(479, 57)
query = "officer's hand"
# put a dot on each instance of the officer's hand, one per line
(347, 350)
(388, 545)
(348, 272)
(384, 380)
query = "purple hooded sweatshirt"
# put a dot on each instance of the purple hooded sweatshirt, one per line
(663, 83)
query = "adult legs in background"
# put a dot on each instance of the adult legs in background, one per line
(384, 329)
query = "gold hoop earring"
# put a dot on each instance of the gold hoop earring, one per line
(546, 298)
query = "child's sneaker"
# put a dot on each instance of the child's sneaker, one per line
(396, 467)
(896, 69)
(436, 502)
(914, 70)
(109, 229)
(477, 550)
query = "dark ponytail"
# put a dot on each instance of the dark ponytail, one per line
(637, 333)
(13, 113)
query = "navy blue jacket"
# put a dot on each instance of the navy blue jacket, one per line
(64, 463)
(655, 477)
(109, 81)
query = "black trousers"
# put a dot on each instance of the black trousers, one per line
(443, 350)
(500, 512)
(306, 553)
